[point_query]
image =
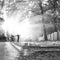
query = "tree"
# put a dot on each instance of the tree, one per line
(55, 10)
(42, 12)
(54, 6)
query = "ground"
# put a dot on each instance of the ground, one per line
(8, 52)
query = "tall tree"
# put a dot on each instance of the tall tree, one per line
(42, 12)
(55, 10)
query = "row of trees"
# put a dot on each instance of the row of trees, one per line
(31, 8)
(54, 7)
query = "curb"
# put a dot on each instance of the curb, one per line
(19, 48)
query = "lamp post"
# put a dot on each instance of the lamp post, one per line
(18, 37)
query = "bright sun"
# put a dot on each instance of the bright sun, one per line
(13, 27)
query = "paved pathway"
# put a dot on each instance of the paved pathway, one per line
(2, 50)
(8, 52)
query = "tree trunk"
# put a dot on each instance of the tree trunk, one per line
(57, 34)
(50, 36)
(53, 36)
(42, 12)
(45, 35)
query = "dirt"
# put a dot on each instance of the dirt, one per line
(42, 56)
